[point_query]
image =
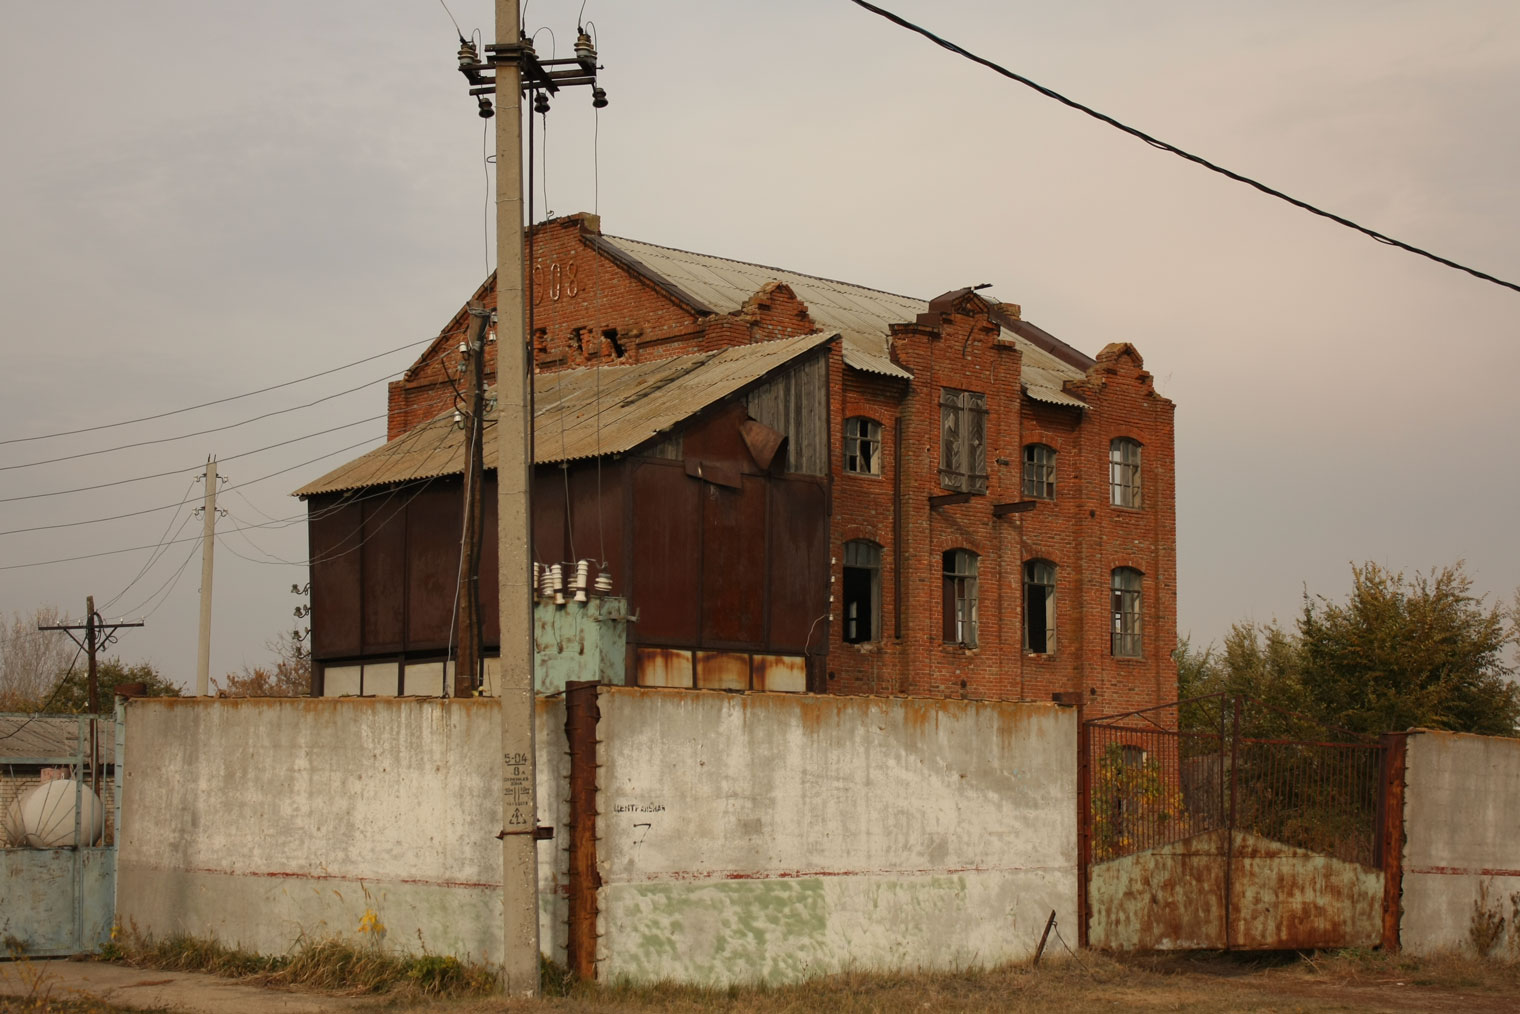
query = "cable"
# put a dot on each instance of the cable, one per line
(450, 13)
(153, 557)
(486, 158)
(57, 689)
(163, 591)
(177, 471)
(1180, 153)
(219, 401)
(133, 549)
(181, 503)
(199, 433)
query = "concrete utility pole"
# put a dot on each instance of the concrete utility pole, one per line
(511, 57)
(514, 374)
(208, 545)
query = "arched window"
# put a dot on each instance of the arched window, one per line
(1040, 607)
(862, 446)
(960, 597)
(1124, 472)
(1125, 641)
(1039, 472)
(862, 592)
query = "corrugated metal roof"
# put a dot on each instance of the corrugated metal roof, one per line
(48, 736)
(862, 316)
(580, 413)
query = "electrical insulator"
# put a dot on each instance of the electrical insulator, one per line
(598, 97)
(604, 582)
(540, 102)
(486, 111)
(585, 50)
(467, 54)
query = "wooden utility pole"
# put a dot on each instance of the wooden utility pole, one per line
(97, 634)
(467, 632)
(208, 547)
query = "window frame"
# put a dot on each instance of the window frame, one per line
(959, 605)
(1039, 474)
(1126, 629)
(871, 437)
(1032, 571)
(1124, 480)
(870, 562)
(962, 440)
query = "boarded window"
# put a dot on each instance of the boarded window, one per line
(862, 446)
(963, 440)
(1039, 472)
(1126, 612)
(862, 592)
(960, 567)
(1124, 472)
(1040, 607)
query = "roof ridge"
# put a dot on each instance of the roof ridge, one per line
(767, 267)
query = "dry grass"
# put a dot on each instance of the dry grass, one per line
(1201, 984)
(331, 965)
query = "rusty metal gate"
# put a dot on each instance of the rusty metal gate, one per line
(1221, 823)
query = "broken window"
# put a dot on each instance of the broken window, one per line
(1039, 607)
(862, 446)
(963, 440)
(862, 592)
(960, 597)
(1124, 472)
(1039, 472)
(1126, 613)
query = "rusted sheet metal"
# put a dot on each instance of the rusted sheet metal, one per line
(1391, 843)
(722, 670)
(780, 673)
(581, 413)
(1279, 897)
(581, 717)
(662, 667)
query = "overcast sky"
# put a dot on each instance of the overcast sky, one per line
(204, 199)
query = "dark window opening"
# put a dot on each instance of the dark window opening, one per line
(611, 337)
(1039, 607)
(862, 592)
(1126, 613)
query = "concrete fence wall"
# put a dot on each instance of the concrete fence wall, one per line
(757, 837)
(1462, 840)
(264, 822)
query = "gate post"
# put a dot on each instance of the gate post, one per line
(1391, 836)
(1084, 811)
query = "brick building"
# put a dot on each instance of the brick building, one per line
(1000, 507)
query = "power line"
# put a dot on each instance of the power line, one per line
(219, 401)
(133, 549)
(177, 471)
(200, 433)
(181, 503)
(1180, 153)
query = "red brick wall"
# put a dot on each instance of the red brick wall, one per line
(580, 294)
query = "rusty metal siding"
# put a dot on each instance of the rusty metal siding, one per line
(382, 566)
(733, 564)
(667, 554)
(584, 879)
(433, 521)
(335, 584)
(798, 554)
(796, 403)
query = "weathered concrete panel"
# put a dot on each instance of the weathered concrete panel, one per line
(758, 837)
(258, 822)
(1461, 838)
(1173, 898)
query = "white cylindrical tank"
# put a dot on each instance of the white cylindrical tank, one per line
(47, 815)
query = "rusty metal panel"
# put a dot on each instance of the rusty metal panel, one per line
(722, 670)
(335, 592)
(663, 667)
(1283, 897)
(733, 564)
(433, 522)
(785, 674)
(382, 565)
(799, 567)
(490, 592)
(666, 569)
(1167, 898)
(1391, 823)
(581, 718)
